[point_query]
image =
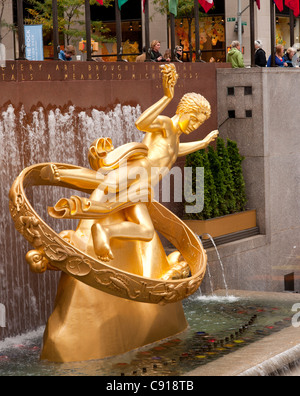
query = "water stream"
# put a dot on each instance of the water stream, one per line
(221, 266)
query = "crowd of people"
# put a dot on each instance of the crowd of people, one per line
(283, 58)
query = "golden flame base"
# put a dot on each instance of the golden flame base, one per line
(88, 324)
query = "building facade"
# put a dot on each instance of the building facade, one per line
(217, 29)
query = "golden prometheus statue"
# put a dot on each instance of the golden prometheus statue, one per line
(118, 289)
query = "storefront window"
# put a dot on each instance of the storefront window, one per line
(131, 30)
(283, 31)
(212, 38)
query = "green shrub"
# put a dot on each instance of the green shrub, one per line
(235, 165)
(224, 185)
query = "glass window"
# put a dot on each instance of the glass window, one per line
(212, 37)
(131, 14)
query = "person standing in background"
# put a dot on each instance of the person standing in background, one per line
(67, 54)
(156, 56)
(279, 61)
(234, 56)
(289, 55)
(260, 54)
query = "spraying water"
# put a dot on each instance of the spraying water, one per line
(220, 262)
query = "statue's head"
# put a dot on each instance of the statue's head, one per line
(193, 111)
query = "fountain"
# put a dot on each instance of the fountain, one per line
(200, 346)
(141, 285)
(220, 261)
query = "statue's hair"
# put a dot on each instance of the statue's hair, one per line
(192, 102)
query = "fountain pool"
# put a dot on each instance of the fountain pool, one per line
(219, 325)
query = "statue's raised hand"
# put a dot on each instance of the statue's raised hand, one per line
(169, 79)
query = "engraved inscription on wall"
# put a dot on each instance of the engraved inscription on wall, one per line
(24, 71)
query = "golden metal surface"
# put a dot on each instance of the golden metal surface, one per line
(115, 248)
(128, 283)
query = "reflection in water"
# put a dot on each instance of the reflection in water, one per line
(217, 326)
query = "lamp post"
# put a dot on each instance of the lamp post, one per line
(172, 28)
(118, 31)
(252, 33)
(21, 34)
(292, 28)
(273, 32)
(197, 36)
(147, 31)
(55, 30)
(88, 30)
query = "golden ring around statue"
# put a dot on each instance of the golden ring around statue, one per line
(63, 256)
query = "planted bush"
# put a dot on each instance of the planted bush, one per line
(224, 185)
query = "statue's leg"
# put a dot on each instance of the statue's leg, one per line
(138, 227)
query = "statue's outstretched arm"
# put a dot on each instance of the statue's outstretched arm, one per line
(188, 148)
(150, 121)
(83, 177)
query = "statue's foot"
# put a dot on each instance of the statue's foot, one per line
(50, 173)
(101, 243)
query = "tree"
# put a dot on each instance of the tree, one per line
(228, 183)
(224, 185)
(211, 205)
(219, 179)
(5, 28)
(235, 164)
(70, 18)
